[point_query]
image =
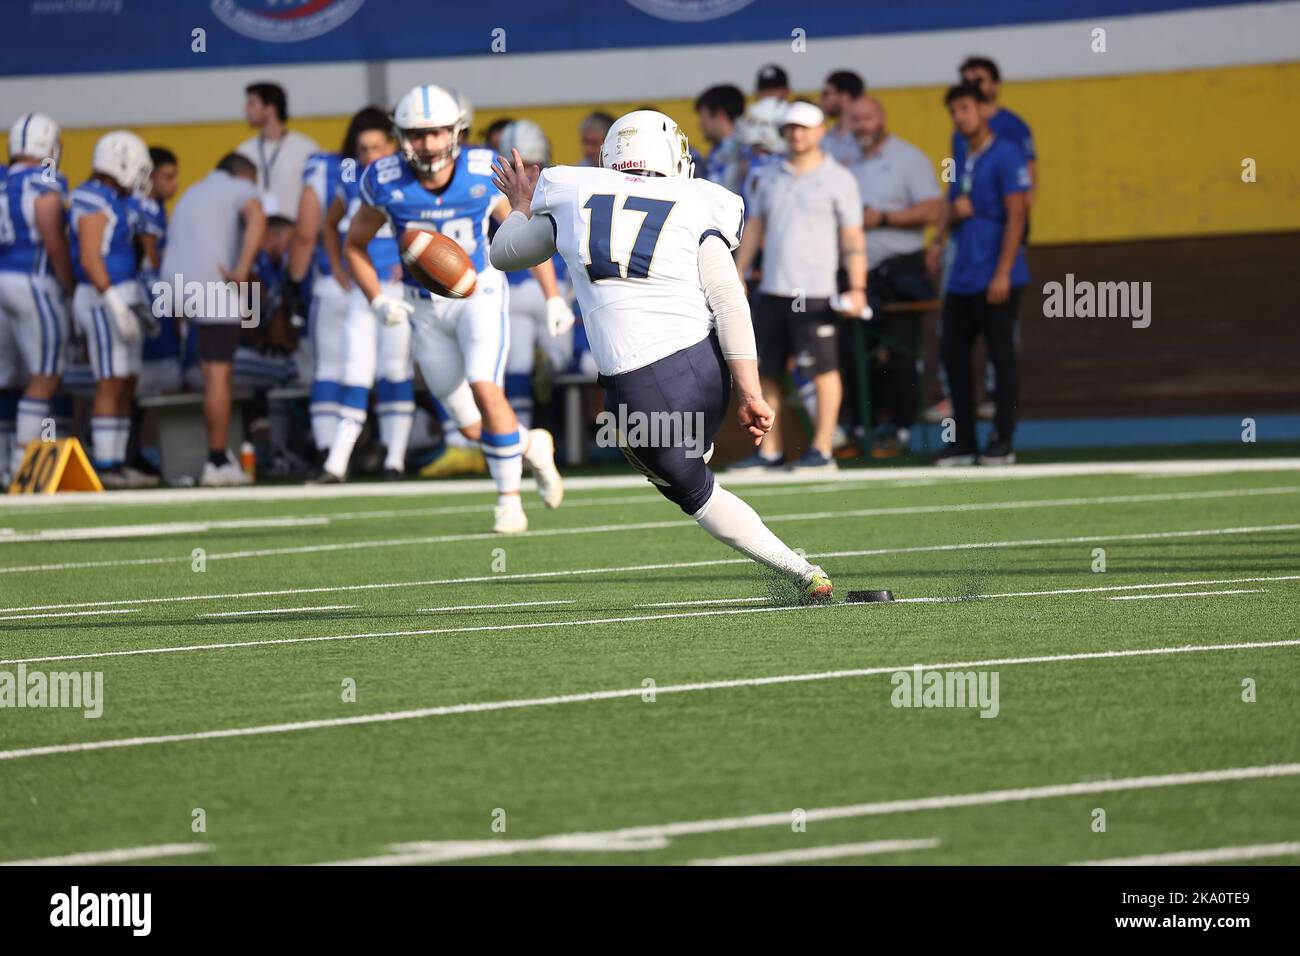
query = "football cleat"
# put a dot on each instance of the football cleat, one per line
(541, 458)
(817, 588)
(456, 460)
(509, 517)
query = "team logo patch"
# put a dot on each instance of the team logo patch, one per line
(689, 11)
(284, 21)
(478, 189)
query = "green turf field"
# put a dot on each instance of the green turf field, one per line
(616, 687)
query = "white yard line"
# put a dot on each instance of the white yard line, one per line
(1182, 594)
(677, 523)
(816, 853)
(126, 855)
(1223, 854)
(283, 610)
(448, 710)
(740, 600)
(657, 836)
(154, 530)
(716, 562)
(485, 607)
(485, 486)
(29, 617)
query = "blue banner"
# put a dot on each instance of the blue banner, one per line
(89, 36)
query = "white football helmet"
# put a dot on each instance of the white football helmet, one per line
(123, 156)
(650, 141)
(527, 137)
(34, 135)
(760, 127)
(423, 108)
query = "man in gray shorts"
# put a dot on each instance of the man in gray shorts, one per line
(806, 217)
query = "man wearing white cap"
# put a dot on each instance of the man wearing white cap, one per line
(806, 217)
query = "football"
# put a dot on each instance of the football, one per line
(438, 263)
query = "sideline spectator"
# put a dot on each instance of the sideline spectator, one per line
(718, 108)
(807, 217)
(900, 198)
(591, 132)
(276, 152)
(772, 81)
(216, 232)
(841, 90)
(986, 215)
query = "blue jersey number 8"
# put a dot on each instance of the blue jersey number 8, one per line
(602, 265)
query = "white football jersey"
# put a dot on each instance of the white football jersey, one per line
(632, 247)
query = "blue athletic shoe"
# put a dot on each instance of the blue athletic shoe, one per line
(757, 462)
(813, 460)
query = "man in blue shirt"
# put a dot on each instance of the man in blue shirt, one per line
(718, 108)
(986, 216)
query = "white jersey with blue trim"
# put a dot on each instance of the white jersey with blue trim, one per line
(21, 247)
(460, 210)
(123, 222)
(632, 244)
(322, 175)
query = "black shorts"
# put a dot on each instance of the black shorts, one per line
(217, 341)
(811, 336)
(693, 387)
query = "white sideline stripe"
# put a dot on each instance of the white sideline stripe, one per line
(109, 532)
(712, 563)
(115, 856)
(27, 617)
(484, 607)
(744, 600)
(485, 486)
(447, 710)
(663, 525)
(656, 836)
(837, 852)
(283, 610)
(1222, 854)
(667, 524)
(1178, 594)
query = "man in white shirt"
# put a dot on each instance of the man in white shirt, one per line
(841, 90)
(276, 152)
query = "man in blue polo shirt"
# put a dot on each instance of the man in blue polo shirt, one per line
(986, 215)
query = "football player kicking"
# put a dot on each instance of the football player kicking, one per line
(649, 253)
(460, 344)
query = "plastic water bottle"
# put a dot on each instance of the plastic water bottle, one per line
(248, 460)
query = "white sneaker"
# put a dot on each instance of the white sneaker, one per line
(509, 516)
(228, 475)
(135, 478)
(541, 458)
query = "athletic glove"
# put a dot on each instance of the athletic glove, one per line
(559, 316)
(391, 311)
(123, 316)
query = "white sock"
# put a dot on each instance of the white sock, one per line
(104, 430)
(122, 438)
(736, 524)
(395, 433)
(27, 427)
(324, 422)
(345, 439)
(505, 459)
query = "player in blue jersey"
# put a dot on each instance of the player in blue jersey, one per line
(461, 344)
(35, 280)
(310, 270)
(109, 302)
(375, 354)
(160, 366)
